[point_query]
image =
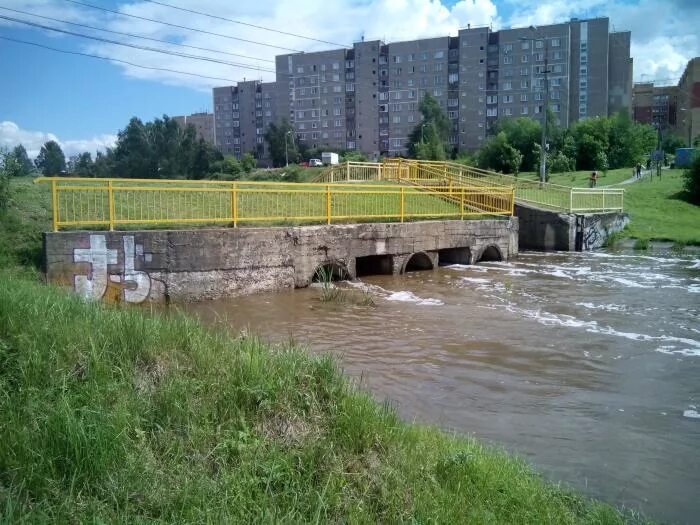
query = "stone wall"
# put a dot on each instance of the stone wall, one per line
(140, 266)
(549, 230)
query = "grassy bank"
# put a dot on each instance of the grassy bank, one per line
(658, 212)
(112, 415)
(580, 179)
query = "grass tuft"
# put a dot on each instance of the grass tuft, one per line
(121, 415)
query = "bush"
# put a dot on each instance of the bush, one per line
(560, 163)
(497, 154)
(692, 180)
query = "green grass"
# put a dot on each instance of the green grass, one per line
(658, 212)
(114, 415)
(579, 179)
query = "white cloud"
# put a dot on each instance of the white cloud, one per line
(12, 135)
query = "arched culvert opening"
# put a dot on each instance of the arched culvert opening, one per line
(454, 256)
(374, 265)
(330, 272)
(491, 253)
(417, 262)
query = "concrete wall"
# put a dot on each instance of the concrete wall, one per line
(143, 266)
(548, 230)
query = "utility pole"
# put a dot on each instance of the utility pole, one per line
(543, 145)
(286, 151)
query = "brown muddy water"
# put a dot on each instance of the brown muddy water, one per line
(586, 364)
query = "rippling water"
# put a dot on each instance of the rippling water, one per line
(587, 364)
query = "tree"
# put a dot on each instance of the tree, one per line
(497, 154)
(523, 134)
(692, 180)
(278, 137)
(81, 165)
(248, 162)
(428, 141)
(8, 168)
(20, 155)
(51, 161)
(671, 142)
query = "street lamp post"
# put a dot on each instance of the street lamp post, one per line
(286, 151)
(543, 140)
(687, 122)
(422, 138)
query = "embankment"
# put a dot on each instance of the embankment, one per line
(121, 415)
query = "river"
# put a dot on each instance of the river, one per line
(586, 364)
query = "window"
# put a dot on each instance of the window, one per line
(336, 66)
(556, 108)
(492, 112)
(397, 59)
(507, 99)
(438, 67)
(539, 44)
(524, 84)
(523, 97)
(525, 45)
(438, 80)
(300, 114)
(556, 42)
(396, 119)
(397, 95)
(338, 123)
(337, 100)
(314, 113)
(349, 87)
(452, 114)
(411, 57)
(301, 125)
(396, 107)
(439, 54)
(555, 82)
(538, 109)
(491, 99)
(336, 77)
(424, 55)
(314, 135)
(507, 59)
(555, 95)
(383, 108)
(410, 83)
(538, 96)
(437, 92)
(507, 85)
(383, 96)
(524, 59)
(324, 124)
(314, 125)
(300, 69)
(337, 89)
(508, 111)
(539, 57)
(524, 110)
(411, 118)
(556, 55)
(507, 48)
(424, 68)
(337, 111)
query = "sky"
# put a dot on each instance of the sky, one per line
(82, 102)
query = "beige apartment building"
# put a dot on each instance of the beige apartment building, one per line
(202, 122)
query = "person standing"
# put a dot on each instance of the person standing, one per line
(593, 180)
(639, 170)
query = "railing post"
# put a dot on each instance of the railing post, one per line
(348, 171)
(379, 171)
(604, 199)
(234, 205)
(571, 200)
(110, 198)
(462, 205)
(328, 204)
(512, 202)
(54, 204)
(402, 200)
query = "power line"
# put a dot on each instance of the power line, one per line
(136, 36)
(243, 23)
(114, 59)
(181, 27)
(136, 46)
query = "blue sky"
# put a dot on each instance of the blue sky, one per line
(83, 102)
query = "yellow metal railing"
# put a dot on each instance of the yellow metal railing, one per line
(543, 195)
(126, 202)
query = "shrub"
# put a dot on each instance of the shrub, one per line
(692, 180)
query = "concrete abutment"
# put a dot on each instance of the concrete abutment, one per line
(187, 265)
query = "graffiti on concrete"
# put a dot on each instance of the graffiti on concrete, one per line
(111, 270)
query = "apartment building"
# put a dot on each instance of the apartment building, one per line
(202, 122)
(367, 97)
(676, 109)
(689, 101)
(657, 105)
(242, 114)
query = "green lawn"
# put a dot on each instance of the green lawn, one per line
(658, 211)
(118, 415)
(580, 179)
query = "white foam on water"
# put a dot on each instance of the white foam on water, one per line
(410, 297)
(645, 257)
(628, 283)
(695, 265)
(692, 414)
(477, 280)
(606, 307)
